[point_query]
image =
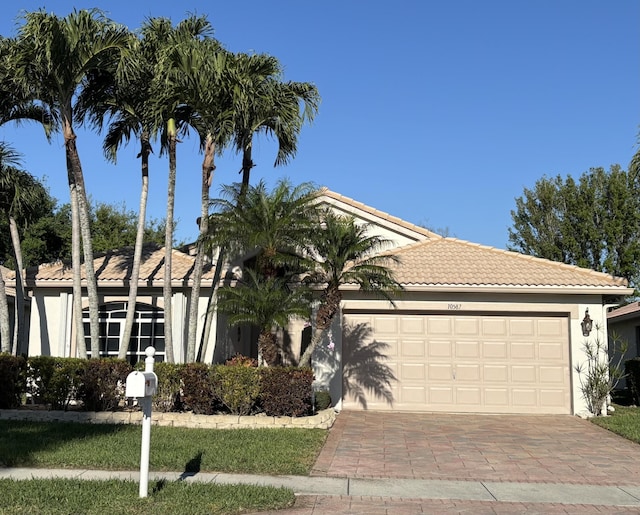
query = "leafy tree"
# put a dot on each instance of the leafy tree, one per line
(345, 253)
(53, 60)
(592, 223)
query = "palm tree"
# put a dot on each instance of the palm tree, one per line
(174, 71)
(21, 196)
(55, 56)
(264, 302)
(127, 105)
(346, 254)
(275, 225)
(262, 104)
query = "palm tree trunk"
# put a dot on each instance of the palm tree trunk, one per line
(168, 242)
(77, 276)
(268, 347)
(5, 334)
(18, 328)
(207, 176)
(329, 306)
(75, 170)
(247, 164)
(137, 251)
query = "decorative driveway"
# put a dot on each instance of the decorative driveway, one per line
(514, 448)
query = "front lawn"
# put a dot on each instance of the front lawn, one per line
(117, 447)
(624, 421)
(65, 496)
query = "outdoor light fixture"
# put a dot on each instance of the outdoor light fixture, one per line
(587, 323)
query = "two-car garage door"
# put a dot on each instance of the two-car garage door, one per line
(479, 363)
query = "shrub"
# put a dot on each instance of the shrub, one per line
(241, 361)
(237, 386)
(286, 391)
(168, 396)
(13, 376)
(600, 374)
(632, 371)
(55, 381)
(102, 384)
(322, 400)
(197, 389)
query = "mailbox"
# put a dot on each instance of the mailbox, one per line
(141, 384)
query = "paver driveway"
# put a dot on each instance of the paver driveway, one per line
(554, 449)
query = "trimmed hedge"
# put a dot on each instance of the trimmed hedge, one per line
(55, 381)
(13, 378)
(238, 387)
(286, 391)
(103, 383)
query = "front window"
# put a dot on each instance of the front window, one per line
(148, 329)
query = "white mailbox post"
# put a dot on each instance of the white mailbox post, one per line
(142, 386)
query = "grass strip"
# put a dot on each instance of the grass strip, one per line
(65, 496)
(117, 447)
(624, 421)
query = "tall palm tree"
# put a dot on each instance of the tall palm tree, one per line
(264, 302)
(54, 57)
(174, 71)
(263, 104)
(125, 104)
(346, 254)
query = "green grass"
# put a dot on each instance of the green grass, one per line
(117, 447)
(74, 496)
(624, 421)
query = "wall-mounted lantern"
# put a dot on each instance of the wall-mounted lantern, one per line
(587, 323)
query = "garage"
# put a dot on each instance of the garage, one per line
(475, 363)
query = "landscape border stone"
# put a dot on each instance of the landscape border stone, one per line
(322, 420)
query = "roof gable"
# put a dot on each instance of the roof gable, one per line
(397, 231)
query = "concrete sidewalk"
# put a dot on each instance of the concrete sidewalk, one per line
(385, 489)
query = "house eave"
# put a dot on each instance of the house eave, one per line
(502, 288)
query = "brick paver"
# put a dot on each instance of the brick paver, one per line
(554, 449)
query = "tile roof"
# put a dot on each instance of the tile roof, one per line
(453, 262)
(632, 310)
(115, 267)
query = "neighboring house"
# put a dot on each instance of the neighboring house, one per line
(477, 329)
(624, 328)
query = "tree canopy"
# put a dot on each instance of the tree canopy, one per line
(593, 222)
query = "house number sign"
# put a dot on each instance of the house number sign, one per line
(453, 306)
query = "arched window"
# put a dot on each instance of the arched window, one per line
(148, 329)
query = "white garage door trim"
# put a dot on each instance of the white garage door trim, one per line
(467, 362)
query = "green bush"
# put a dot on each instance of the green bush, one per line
(54, 381)
(13, 377)
(237, 387)
(322, 399)
(197, 389)
(286, 391)
(103, 383)
(632, 373)
(168, 396)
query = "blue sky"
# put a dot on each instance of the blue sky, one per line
(438, 112)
